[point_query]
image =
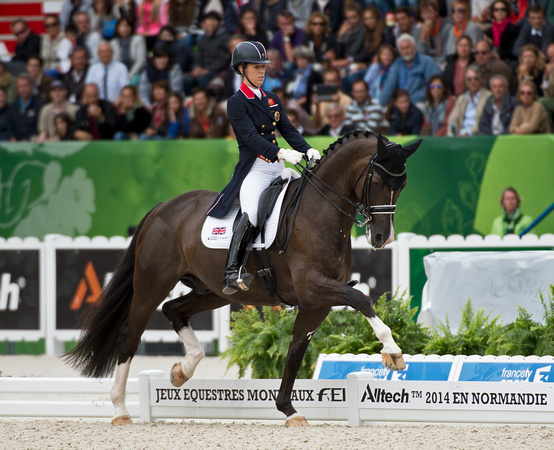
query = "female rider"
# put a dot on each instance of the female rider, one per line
(254, 116)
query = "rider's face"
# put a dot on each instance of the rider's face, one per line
(255, 73)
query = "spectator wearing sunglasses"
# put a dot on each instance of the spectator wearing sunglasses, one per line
(28, 43)
(461, 25)
(464, 118)
(503, 33)
(55, 48)
(438, 106)
(530, 117)
(499, 108)
(489, 65)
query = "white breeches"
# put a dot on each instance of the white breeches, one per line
(260, 176)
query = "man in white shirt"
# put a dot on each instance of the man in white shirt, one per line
(110, 76)
(468, 109)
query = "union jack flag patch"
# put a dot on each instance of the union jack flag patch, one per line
(219, 230)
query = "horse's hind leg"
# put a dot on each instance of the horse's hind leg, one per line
(147, 297)
(179, 312)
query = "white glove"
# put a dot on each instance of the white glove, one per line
(313, 154)
(290, 156)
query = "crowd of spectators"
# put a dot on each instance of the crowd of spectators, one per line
(160, 69)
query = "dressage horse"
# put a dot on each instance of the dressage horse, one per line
(360, 173)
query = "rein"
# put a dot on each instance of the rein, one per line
(363, 208)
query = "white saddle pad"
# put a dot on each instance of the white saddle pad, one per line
(217, 233)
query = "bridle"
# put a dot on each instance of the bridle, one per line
(363, 207)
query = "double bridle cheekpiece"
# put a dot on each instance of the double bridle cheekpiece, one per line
(363, 207)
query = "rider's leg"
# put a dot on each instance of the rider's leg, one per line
(242, 236)
(260, 176)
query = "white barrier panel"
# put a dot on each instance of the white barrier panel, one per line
(448, 401)
(64, 390)
(237, 399)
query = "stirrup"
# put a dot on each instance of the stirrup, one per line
(243, 281)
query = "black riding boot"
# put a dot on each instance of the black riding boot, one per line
(242, 236)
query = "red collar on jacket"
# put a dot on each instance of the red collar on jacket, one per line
(249, 93)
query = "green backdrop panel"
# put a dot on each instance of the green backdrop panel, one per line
(525, 163)
(102, 188)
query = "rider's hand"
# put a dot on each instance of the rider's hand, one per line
(313, 154)
(291, 156)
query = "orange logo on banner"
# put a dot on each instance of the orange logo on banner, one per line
(89, 283)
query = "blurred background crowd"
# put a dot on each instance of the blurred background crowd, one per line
(160, 69)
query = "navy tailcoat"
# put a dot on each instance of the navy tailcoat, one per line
(254, 121)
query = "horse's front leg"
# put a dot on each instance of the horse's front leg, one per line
(305, 326)
(337, 294)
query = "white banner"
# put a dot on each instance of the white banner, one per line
(457, 395)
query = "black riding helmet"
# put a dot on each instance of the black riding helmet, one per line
(248, 52)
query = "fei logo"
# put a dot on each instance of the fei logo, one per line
(9, 292)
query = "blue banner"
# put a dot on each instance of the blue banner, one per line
(415, 370)
(529, 372)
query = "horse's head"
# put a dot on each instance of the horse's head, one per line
(385, 179)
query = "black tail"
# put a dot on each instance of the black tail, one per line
(96, 354)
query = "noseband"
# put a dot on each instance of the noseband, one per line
(364, 207)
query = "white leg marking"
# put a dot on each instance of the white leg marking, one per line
(384, 335)
(195, 352)
(117, 393)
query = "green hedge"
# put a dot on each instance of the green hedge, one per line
(260, 339)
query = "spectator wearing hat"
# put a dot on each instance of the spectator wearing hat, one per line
(58, 104)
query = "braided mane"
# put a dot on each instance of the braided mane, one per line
(340, 142)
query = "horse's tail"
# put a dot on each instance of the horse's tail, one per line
(96, 354)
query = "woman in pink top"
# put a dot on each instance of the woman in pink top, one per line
(149, 17)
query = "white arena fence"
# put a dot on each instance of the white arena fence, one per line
(46, 286)
(477, 390)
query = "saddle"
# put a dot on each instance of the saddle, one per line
(216, 233)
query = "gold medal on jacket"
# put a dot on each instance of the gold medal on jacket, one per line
(277, 116)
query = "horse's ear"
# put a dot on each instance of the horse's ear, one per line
(381, 147)
(410, 149)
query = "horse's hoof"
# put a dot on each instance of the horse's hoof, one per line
(121, 420)
(176, 376)
(393, 361)
(296, 420)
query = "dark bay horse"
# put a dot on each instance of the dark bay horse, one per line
(361, 173)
